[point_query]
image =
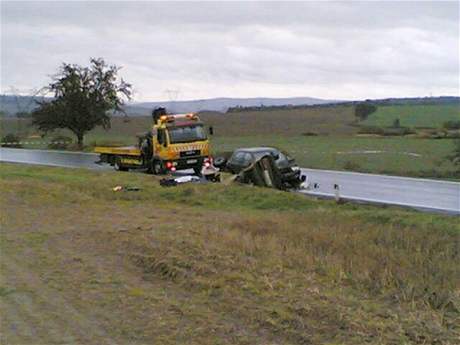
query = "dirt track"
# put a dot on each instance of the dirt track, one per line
(43, 313)
(41, 304)
(67, 277)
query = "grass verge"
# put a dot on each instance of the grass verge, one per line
(214, 264)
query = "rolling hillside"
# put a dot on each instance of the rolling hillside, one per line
(11, 104)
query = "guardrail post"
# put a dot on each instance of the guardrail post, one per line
(337, 192)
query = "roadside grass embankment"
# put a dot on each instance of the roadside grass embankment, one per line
(207, 264)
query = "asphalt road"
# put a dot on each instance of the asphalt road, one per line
(51, 157)
(423, 194)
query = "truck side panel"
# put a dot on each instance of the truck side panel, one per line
(118, 151)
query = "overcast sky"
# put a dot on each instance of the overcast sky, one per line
(334, 50)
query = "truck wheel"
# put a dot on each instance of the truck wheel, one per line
(118, 166)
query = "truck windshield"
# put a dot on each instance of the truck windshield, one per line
(186, 134)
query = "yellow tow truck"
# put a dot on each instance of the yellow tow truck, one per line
(175, 142)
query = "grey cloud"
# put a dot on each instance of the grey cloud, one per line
(352, 13)
(322, 49)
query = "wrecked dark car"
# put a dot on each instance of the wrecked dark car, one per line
(263, 166)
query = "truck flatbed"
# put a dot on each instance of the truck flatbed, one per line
(119, 151)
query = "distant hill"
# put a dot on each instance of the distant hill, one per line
(221, 104)
(11, 104)
(442, 100)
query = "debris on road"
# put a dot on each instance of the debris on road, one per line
(211, 173)
(126, 188)
(263, 173)
(174, 181)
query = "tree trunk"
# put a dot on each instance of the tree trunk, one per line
(80, 140)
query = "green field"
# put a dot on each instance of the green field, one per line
(426, 116)
(397, 156)
(210, 264)
(334, 144)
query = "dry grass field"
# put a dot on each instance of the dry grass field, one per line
(287, 122)
(336, 120)
(216, 264)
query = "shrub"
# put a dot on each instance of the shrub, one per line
(390, 131)
(310, 134)
(352, 166)
(453, 135)
(451, 125)
(455, 157)
(398, 131)
(371, 130)
(23, 114)
(11, 140)
(363, 110)
(60, 142)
